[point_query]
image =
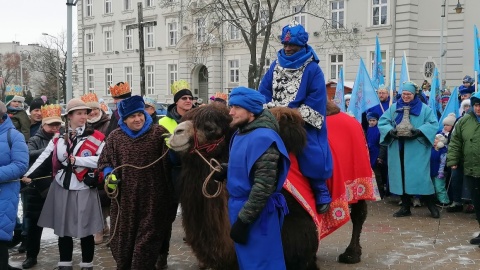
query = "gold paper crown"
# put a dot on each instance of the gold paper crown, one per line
(179, 85)
(53, 110)
(13, 90)
(119, 90)
(90, 97)
(221, 95)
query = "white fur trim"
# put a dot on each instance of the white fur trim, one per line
(65, 263)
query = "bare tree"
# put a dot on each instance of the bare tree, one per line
(10, 67)
(258, 21)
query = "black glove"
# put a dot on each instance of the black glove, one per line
(222, 174)
(393, 133)
(239, 232)
(415, 133)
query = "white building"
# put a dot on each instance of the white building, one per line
(108, 53)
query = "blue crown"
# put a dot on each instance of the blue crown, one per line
(13, 90)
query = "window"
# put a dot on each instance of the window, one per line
(148, 30)
(128, 39)
(108, 80)
(89, 42)
(127, 4)
(150, 80)
(149, 3)
(201, 31)
(263, 21)
(338, 14)
(300, 16)
(384, 61)
(89, 8)
(90, 80)
(379, 12)
(234, 69)
(234, 32)
(428, 69)
(172, 34)
(172, 75)
(108, 40)
(108, 6)
(336, 62)
(129, 75)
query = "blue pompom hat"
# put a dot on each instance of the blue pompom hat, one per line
(130, 106)
(247, 98)
(294, 33)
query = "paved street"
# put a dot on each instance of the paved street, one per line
(388, 243)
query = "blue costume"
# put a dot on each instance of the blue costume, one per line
(297, 81)
(373, 141)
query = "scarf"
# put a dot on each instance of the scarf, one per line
(135, 134)
(95, 120)
(415, 108)
(296, 60)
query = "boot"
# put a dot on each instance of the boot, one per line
(17, 238)
(13, 268)
(475, 241)
(405, 209)
(161, 262)
(23, 246)
(431, 207)
(29, 263)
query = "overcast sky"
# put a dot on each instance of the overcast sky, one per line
(26, 20)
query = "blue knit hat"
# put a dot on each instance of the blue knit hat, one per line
(294, 33)
(410, 87)
(372, 115)
(130, 106)
(247, 98)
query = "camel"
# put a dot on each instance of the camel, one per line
(204, 134)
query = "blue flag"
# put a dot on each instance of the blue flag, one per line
(364, 96)
(393, 79)
(404, 75)
(339, 92)
(434, 90)
(453, 106)
(476, 52)
(377, 72)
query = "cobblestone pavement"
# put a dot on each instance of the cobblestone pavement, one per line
(388, 243)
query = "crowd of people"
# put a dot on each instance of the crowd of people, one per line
(78, 168)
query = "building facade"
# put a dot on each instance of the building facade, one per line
(109, 53)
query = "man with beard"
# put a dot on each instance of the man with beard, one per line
(119, 92)
(296, 80)
(257, 168)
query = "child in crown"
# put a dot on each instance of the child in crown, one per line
(19, 117)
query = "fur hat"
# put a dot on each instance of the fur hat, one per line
(181, 93)
(91, 100)
(442, 140)
(77, 104)
(3, 111)
(294, 33)
(465, 102)
(410, 87)
(450, 119)
(130, 106)
(466, 90)
(247, 98)
(36, 104)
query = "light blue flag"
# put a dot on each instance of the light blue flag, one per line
(404, 75)
(434, 90)
(364, 96)
(393, 83)
(339, 98)
(452, 107)
(476, 52)
(377, 72)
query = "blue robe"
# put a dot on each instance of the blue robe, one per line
(377, 109)
(416, 152)
(373, 141)
(264, 248)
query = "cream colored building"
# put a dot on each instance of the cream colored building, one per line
(108, 53)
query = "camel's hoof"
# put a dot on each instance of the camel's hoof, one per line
(349, 258)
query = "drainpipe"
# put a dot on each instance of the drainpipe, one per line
(221, 62)
(394, 29)
(83, 51)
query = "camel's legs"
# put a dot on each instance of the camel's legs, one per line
(358, 215)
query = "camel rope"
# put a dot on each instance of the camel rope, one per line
(441, 212)
(216, 168)
(113, 195)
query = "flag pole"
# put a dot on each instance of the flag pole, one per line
(406, 64)
(392, 81)
(475, 82)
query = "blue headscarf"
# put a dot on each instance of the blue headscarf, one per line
(247, 98)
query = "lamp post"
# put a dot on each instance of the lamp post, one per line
(58, 66)
(458, 9)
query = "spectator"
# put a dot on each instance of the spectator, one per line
(409, 152)
(35, 115)
(16, 111)
(150, 108)
(464, 147)
(13, 164)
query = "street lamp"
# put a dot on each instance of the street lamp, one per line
(58, 66)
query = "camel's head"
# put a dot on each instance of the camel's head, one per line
(292, 131)
(205, 128)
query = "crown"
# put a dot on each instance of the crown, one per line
(90, 97)
(53, 110)
(119, 90)
(179, 85)
(13, 90)
(221, 95)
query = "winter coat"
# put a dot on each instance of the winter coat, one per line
(13, 165)
(417, 152)
(21, 121)
(465, 145)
